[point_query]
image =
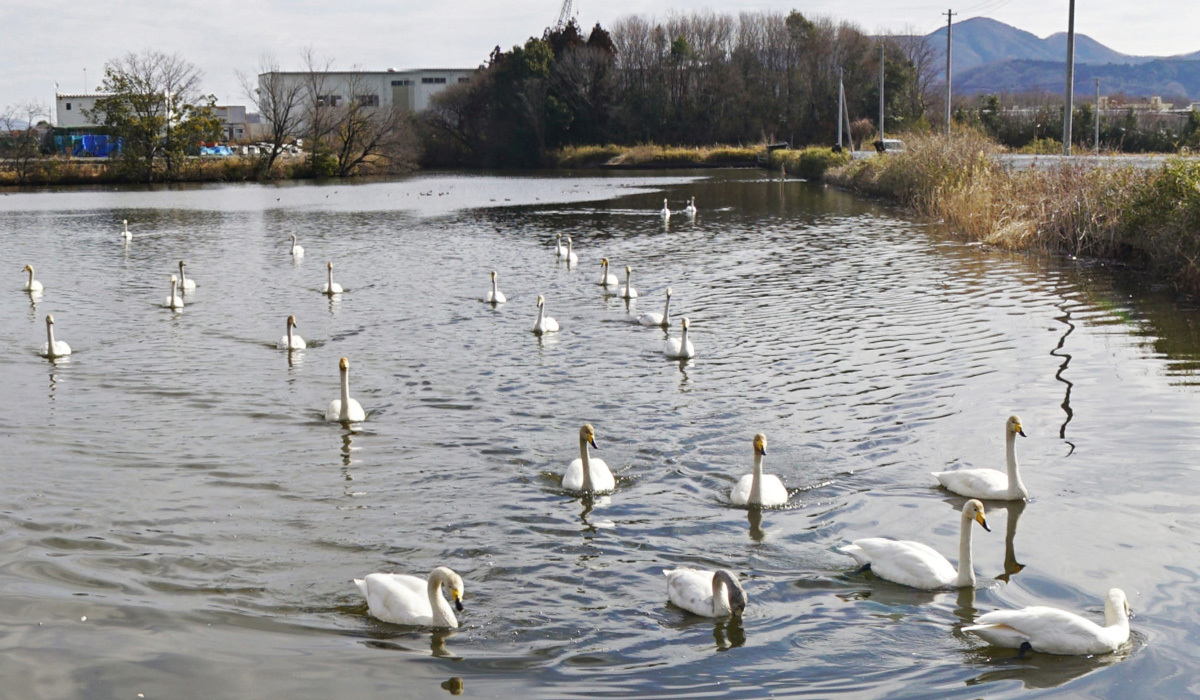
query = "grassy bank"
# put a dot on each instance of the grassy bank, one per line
(98, 171)
(809, 162)
(1149, 217)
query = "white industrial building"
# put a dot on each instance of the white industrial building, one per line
(71, 108)
(409, 89)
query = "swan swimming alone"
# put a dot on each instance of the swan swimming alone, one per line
(627, 291)
(331, 287)
(409, 600)
(32, 285)
(291, 341)
(756, 488)
(706, 593)
(662, 320)
(1054, 631)
(185, 284)
(588, 474)
(680, 348)
(495, 296)
(606, 278)
(126, 235)
(175, 301)
(572, 258)
(54, 348)
(544, 324)
(665, 213)
(560, 250)
(917, 565)
(297, 250)
(991, 484)
(345, 408)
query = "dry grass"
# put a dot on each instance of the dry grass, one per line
(811, 162)
(1151, 217)
(651, 156)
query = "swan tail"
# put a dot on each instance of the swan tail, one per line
(362, 585)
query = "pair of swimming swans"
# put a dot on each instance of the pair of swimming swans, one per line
(175, 300)
(408, 600)
(345, 409)
(565, 252)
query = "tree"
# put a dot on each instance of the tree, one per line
(19, 141)
(318, 105)
(363, 129)
(280, 103)
(154, 106)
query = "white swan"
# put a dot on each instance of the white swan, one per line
(572, 258)
(126, 235)
(345, 408)
(706, 593)
(606, 278)
(331, 287)
(665, 213)
(691, 210)
(991, 484)
(495, 296)
(680, 348)
(290, 340)
(297, 250)
(588, 474)
(410, 600)
(1054, 631)
(53, 348)
(756, 488)
(918, 565)
(544, 324)
(662, 320)
(185, 284)
(627, 291)
(560, 250)
(32, 285)
(175, 301)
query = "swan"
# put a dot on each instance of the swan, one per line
(691, 207)
(411, 600)
(606, 278)
(175, 301)
(756, 488)
(495, 296)
(331, 287)
(345, 408)
(126, 235)
(665, 213)
(572, 258)
(1055, 631)
(297, 250)
(662, 320)
(544, 324)
(32, 285)
(54, 348)
(680, 348)
(588, 474)
(918, 565)
(991, 484)
(185, 284)
(290, 340)
(628, 292)
(706, 593)
(560, 250)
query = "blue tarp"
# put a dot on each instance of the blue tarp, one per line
(216, 151)
(88, 145)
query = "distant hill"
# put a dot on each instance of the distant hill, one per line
(991, 56)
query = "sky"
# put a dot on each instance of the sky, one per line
(39, 47)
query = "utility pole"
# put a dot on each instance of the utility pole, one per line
(1069, 107)
(85, 87)
(949, 32)
(841, 105)
(881, 95)
(1097, 116)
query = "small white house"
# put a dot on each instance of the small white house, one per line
(71, 109)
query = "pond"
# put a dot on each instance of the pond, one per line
(178, 519)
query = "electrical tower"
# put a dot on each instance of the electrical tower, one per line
(566, 14)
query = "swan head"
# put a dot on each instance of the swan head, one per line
(174, 279)
(493, 275)
(329, 265)
(541, 301)
(684, 322)
(628, 270)
(452, 581)
(49, 320)
(974, 511)
(668, 292)
(1014, 425)
(588, 434)
(737, 594)
(1114, 603)
(344, 365)
(125, 223)
(760, 444)
(27, 268)
(292, 321)
(603, 262)
(181, 264)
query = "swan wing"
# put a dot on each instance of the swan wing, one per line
(602, 477)
(573, 478)
(691, 590)
(773, 491)
(671, 348)
(905, 562)
(1047, 630)
(740, 494)
(355, 412)
(651, 319)
(397, 598)
(975, 483)
(334, 412)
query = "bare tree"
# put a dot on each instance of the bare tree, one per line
(319, 102)
(19, 142)
(920, 52)
(280, 104)
(362, 130)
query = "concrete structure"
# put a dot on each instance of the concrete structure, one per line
(71, 108)
(408, 89)
(233, 122)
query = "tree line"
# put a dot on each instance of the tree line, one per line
(690, 79)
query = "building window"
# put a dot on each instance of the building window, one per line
(68, 106)
(433, 81)
(368, 100)
(464, 80)
(329, 100)
(401, 83)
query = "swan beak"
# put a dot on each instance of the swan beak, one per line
(762, 450)
(982, 521)
(458, 602)
(1019, 431)
(592, 442)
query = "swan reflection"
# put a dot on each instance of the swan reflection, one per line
(1011, 565)
(728, 633)
(755, 515)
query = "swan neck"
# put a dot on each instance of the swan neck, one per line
(443, 616)
(493, 288)
(50, 337)
(720, 596)
(290, 344)
(330, 270)
(683, 339)
(1015, 485)
(755, 475)
(585, 459)
(667, 310)
(345, 392)
(31, 275)
(1114, 615)
(966, 570)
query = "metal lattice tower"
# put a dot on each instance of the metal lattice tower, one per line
(566, 14)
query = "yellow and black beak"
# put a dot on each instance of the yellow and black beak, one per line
(458, 602)
(982, 521)
(1019, 430)
(592, 441)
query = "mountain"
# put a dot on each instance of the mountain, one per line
(1168, 77)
